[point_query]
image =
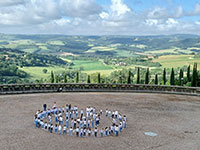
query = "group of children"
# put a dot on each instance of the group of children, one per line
(69, 120)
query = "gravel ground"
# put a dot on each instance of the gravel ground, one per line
(176, 120)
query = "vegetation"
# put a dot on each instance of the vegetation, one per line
(172, 77)
(147, 77)
(138, 76)
(163, 60)
(164, 76)
(156, 79)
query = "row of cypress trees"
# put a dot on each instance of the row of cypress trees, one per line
(193, 79)
(173, 81)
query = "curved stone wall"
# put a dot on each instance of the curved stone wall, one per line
(137, 88)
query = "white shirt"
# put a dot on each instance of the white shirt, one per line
(102, 131)
(60, 128)
(125, 119)
(81, 111)
(116, 128)
(77, 129)
(64, 128)
(61, 119)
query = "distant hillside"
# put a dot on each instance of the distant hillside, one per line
(100, 45)
(32, 58)
(24, 59)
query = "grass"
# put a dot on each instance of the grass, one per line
(169, 61)
(196, 48)
(124, 53)
(99, 48)
(37, 72)
(103, 72)
(89, 65)
(139, 46)
(65, 59)
(30, 50)
(163, 51)
(56, 43)
(43, 47)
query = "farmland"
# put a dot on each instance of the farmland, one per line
(102, 54)
(169, 61)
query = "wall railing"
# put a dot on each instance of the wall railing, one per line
(135, 88)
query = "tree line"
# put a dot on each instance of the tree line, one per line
(183, 78)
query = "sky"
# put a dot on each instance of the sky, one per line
(100, 17)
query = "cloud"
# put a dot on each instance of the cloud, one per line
(62, 21)
(34, 12)
(119, 7)
(197, 22)
(151, 22)
(5, 3)
(179, 11)
(89, 17)
(104, 15)
(79, 8)
(158, 13)
(197, 9)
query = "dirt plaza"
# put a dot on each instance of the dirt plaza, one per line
(174, 118)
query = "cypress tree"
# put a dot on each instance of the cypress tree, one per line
(138, 76)
(88, 79)
(172, 78)
(164, 76)
(57, 78)
(147, 77)
(65, 78)
(188, 74)
(120, 77)
(181, 77)
(77, 77)
(99, 78)
(156, 79)
(194, 75)
(129, 77)
(52, 77)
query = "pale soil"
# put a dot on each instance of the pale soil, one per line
(176, 120)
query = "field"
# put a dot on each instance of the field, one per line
(170, 51)
(174, 118)
(169, 61)
(89, 65)
(94, 49)
(37, 72)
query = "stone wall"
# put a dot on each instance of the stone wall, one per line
(137, 88)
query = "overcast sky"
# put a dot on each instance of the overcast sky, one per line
(100, 17)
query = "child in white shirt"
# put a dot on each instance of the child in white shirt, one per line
(116, 130)
(89, 132)
(81, 132)
(61, 120)
(70, 131)
(101, 132)
(77, 131)
(95, 132)
(60, 129)
(106, 112)
(64, 130)
(56, 128)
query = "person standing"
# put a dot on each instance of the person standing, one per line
(45, 107)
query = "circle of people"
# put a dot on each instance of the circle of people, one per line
(78, 123)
